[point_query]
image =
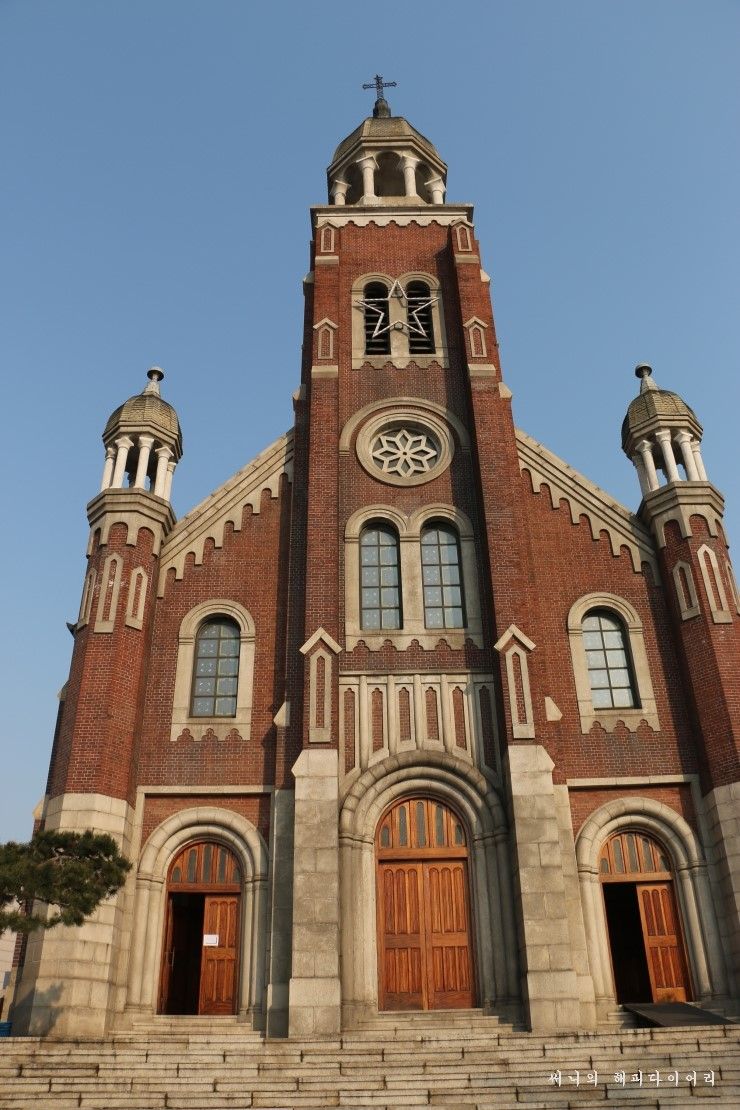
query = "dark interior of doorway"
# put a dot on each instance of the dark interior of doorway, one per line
(629, 961)
(187, 947)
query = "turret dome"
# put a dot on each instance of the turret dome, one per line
(146, 411)
(654, 407)
(386, 161)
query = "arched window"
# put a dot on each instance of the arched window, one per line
(377, 319)
(608, 661)
(216, 669)
(419, 319)
(444, 604)
(380, 579)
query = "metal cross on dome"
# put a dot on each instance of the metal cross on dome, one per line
(379, 84)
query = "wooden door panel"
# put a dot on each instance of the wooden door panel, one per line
(401, 937)
(669, 979)
(219, 962)
(448, 939)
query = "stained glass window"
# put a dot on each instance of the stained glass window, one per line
(380, 580)
(444, 604)
(608, 661)
(216, 669)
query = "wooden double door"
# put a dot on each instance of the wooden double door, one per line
(647, 950)
(424, 934)
(200, 962)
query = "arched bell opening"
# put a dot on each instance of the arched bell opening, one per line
(425, 949)
(422, 174)
(389, 179)
(646, 942)
(200, 955)
(353, 175)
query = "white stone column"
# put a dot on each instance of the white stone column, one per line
(436, 187)
(664, 439)
(368, 166)
(641, 473)
(123, 446)
(315, 992)
(683, 439)
(164, 454)
(338, 191)
(145, 449)
(408, 165)
(696, 452)
(110, 454)
(168, 480)
(646, 451)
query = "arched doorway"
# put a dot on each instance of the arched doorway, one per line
(645, 941)
(201, 952)
(425, 956)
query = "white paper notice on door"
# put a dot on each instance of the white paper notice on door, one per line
(210, 940)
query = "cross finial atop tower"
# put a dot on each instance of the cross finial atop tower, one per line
(381, 104)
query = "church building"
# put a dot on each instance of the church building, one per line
(408, 715)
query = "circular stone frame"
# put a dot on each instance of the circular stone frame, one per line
(395, 420)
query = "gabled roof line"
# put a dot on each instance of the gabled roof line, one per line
(585, 498)
(226, 505)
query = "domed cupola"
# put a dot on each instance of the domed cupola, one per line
(143, 442)
(386, 161)
(661, 432)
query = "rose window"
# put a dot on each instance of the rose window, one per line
(405, 452)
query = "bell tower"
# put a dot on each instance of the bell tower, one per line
(414, 628)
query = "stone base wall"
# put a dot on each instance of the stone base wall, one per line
(315, 994)
(723, 822)
(65, 986)
(545, 900)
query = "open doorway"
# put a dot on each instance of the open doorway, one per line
(201, 950)
(645, 941)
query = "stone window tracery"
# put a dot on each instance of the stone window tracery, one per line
(405, 451)
(610, 708)
(214, 677)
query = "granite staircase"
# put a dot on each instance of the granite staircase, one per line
(393, 1063)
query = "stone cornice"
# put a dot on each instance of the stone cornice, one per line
(136, 509)
(383, 214)
(584, 498)
(226, 505)
(680, 501)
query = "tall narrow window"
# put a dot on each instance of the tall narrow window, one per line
(444, 604)
(420, 324)
(377, 319)
(380, 581)
(216, 670)
(608, 661)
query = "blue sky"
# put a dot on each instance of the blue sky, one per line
(159, 159)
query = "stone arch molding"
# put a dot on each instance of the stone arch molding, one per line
(692, 889)
(150, 895)
(456, 782)
(647, 709)
(182, 723)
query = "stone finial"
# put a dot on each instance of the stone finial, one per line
(644, 373)
(155, 374)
